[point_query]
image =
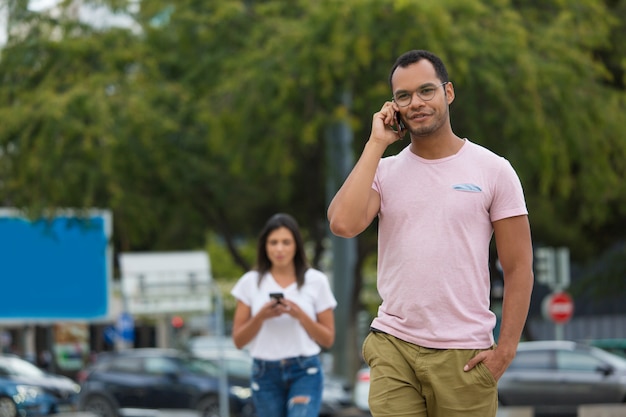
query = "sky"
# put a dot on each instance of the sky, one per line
(39, 5)
(97, 16)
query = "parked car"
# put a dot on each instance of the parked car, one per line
(616, 346)
(553, 377)
(222, 350)
(27, 391)
(336, 394)
(208, 344)
(159, 379)
(362, 388)
(18, 399)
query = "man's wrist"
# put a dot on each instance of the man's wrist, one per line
(507, 350)
(376, 145)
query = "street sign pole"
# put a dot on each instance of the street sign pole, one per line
(219, 328)
(552, 268)
(340, 162)
(558, 332)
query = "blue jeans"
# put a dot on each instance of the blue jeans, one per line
(288, 388)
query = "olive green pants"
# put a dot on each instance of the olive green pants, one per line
(410, 380)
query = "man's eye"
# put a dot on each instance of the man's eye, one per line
(402, 96)
(427, 91)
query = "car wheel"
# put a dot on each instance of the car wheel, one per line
(100, 406)
(7, 407)
(209, 407)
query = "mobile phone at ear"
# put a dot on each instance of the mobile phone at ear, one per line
(399, 123)
(277, 296)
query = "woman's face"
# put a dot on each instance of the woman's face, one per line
(281, 247)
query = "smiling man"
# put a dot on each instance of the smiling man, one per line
(439, 202)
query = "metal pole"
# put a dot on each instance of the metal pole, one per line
(339, 155)
(219, 330)
(558, 332)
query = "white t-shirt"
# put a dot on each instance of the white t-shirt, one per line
(283, 337)
(435, 227)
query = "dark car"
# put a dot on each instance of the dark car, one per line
(222, 350)
(555, 377)
(28, 391)
(124, 382)
(336, 395)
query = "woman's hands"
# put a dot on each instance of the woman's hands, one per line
(285, 306)
(321, 328)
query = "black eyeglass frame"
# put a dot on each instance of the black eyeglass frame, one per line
(435, 87)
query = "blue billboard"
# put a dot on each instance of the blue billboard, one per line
(55, 269)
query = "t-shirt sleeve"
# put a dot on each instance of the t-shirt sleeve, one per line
(376, 183)
(325, 297)
(242, 290)
(509, 196)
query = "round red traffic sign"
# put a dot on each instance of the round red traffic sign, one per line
(559, 307)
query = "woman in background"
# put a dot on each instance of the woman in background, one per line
(284, 316)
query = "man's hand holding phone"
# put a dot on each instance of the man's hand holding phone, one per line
(387, 125)
(401, 129)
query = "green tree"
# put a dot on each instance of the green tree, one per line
(215, 114)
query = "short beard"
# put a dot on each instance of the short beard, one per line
(428, 130)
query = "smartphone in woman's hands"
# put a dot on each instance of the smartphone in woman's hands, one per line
(277, 296)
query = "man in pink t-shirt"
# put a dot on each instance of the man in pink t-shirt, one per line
(439, 202)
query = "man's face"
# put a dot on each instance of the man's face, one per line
(422, 117)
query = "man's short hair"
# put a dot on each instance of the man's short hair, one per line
(416, 55)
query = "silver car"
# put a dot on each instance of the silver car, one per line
(555, 377)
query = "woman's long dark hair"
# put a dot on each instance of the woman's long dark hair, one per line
(263, 263)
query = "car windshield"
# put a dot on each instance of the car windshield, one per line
(19, 367)
(241, 367)
(211, 343)
(222, 350)
(614, 360)
(199, 366)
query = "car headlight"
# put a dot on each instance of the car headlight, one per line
(241, 392)
(26, 393)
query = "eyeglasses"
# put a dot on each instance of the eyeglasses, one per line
(425, 93)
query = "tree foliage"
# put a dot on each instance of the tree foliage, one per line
(214, 115)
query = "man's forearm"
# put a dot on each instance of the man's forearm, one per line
(515, 305)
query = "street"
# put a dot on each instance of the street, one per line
(348, 412)
(352, 412)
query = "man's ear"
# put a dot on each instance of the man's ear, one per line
(449, 92)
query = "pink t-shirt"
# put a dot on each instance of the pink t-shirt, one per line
(434, 231)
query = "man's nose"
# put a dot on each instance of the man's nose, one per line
(416, 99)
